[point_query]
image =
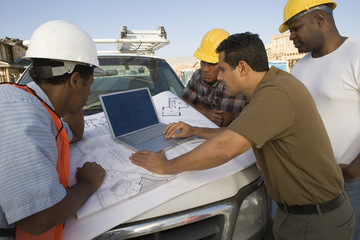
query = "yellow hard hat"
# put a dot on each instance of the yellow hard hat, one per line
(207, 50)
(294, 7)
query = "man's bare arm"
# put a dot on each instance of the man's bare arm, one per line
(351, 171)
(187, 131)
(214, 152)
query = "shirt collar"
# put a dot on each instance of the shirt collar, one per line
(40, 93)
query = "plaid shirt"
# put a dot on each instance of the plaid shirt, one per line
(212, 96)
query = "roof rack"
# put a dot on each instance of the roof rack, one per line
(138, 41)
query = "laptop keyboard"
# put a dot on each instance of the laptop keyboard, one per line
(145, 134)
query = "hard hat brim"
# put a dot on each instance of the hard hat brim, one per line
(205, 58)
(284, 26)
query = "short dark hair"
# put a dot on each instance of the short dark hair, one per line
(246, 47)
(40, 71)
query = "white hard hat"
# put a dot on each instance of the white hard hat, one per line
(65, 42)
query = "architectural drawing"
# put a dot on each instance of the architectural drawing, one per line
(174, 107)
(123, 179)
(124, 185)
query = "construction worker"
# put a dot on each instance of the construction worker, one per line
(38, 120)
(331, 72)
(284, 129)
(204, 92)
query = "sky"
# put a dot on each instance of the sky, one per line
(185, 21)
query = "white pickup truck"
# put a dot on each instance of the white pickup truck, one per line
(232, 207)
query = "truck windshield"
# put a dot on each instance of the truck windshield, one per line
(130, 72)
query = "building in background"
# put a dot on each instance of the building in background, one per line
(11, 62)
(281, 50)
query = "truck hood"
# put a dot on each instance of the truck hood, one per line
(217, 190)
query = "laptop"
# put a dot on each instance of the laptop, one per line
(133, 120)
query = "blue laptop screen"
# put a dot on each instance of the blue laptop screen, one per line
(129, 111)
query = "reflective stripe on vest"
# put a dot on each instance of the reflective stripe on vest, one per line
(62, 168)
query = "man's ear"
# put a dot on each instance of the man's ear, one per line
(75, 81)
(243, 67)
(319, 19)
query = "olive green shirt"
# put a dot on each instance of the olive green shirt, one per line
(292, 148)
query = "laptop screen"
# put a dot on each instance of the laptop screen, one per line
(129, 111)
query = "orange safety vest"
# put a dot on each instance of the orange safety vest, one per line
(62, 168)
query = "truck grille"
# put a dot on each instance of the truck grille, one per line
(215, 221)
(208, 229)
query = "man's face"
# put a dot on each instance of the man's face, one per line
(80, 95)
(304, 33)
(209, 71)
(228, 76)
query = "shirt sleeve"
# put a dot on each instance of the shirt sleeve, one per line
(268, 115)
(29, 180)
(189, 92)
(233, 104)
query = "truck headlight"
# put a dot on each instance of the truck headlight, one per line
(252, 215)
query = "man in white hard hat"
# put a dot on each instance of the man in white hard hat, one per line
(331, 72)
(284, 129)
(37, 123)
(203, 91)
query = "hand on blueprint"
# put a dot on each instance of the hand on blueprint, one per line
(91, 173)
(152, 161)
(178, 130)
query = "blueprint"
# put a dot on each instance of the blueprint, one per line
(174, 107)
(123, 179)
